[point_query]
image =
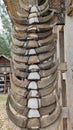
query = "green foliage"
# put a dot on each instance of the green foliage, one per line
(5, 33)
(4, 48)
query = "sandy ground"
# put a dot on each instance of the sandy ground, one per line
(4, 121)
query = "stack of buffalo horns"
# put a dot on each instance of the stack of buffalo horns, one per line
(33, 102)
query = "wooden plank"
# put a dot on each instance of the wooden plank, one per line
(5, 82)
(62, 67)
(65, 124)
(65, 112)
(61, 45)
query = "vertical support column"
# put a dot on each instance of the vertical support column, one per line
(61, 39)
(63, 81)
(34, 55)
(5, 83)
(69, 58)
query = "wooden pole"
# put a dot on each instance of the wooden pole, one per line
(5, 83)
(63, 82)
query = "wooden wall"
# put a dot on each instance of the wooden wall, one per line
(4, 65)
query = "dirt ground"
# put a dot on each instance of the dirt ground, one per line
(5, 123)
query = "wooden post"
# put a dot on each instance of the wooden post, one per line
(5, 83)
(63, 81)
(61, 40)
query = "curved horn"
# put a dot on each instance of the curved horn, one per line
(19, 121)
(42, 7)
(42, 12)
(23, 6)
(53, 117)
(22, 15)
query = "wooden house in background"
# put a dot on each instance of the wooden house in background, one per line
(4, 73)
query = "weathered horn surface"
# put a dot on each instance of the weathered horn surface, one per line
(33, 103)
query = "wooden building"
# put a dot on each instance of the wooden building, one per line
(4, 73)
